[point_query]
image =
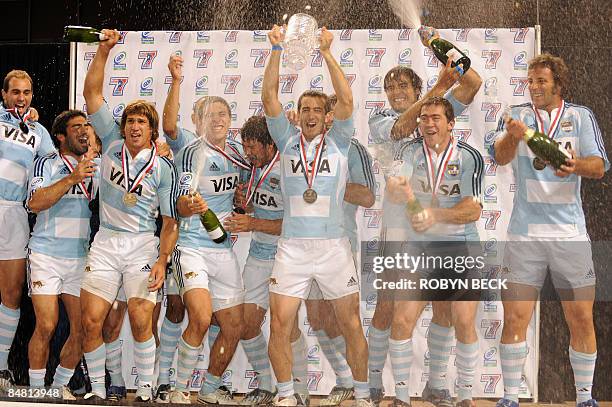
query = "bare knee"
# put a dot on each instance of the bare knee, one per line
(45, 328)
(199, 322)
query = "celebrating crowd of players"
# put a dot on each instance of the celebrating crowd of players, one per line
(295, 181)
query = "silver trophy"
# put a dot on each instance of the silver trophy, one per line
(300, 40)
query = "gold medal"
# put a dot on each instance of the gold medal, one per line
(539, 164)
(310, 196)
(129, 199)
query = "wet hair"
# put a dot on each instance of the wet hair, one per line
(314, 94)
(331, 102)
(255, 128)
(398, 72)
(440, 101)
(60, 124)
(556, 65)
(142, 107)
(16, 73)
(206, 101)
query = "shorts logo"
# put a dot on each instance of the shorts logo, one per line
(190, 275)
(452, 170)
(201, 87)
(185, 180)
(214, 167)
(273, 281)
(87, 269)
(37, 284)
(231, 59)
(352, 282)
(590, 274)
(146, 37)
(260, 56)
(146, 87)
(520, 61)
(119, 61)
(490, 35)
(346, 58)
(36, 181)
(376, 55)
(202, 37)
(145, 268)
(147, 59)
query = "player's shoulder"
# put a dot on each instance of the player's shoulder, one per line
(470, 152)
(582, 110)
(43, 161)
(409, 145)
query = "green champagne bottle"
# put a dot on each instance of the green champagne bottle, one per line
(546, 149)
(443, 50)
(212, 225)
(77, 33)
(413, 207)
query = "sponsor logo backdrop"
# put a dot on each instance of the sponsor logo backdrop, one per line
(231, 64)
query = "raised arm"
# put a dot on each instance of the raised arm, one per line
(344, 107)
(94, 80)
(171, 107)
(506, 146)
(269, 94)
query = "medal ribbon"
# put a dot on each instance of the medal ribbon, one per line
(439, 176)
(554, 125)
(316, 163)
(262, 177)
(143, 171)
(81, 184)
(15, 112)
(239, 163)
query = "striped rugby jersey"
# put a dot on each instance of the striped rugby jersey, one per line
(462, 178)
(17, 153)
(324, 218)
(546, 205)
(157, 193)
(63, 229)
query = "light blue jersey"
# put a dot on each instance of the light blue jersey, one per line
(63, 229)
(381, 123)
(360, 172)
(267, 204)
(217, 181)
(462, 178)
(324, 218)
(157, 192)
(17, 153)
(183, 138)
(546, 205)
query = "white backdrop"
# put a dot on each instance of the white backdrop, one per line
(231, 64)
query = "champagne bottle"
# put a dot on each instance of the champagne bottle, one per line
(77, 33)
(545, 148)
(212, 225)
(443, 50)
(413, 207)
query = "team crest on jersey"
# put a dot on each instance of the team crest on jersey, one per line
(36, 181)
(274, 182)
(452, 170)
(567, 126)
(185, 180)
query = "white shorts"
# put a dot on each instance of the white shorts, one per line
(256, 276)
(121, 295)
(315, 292)
(49, 275)
(215, 270)
(329, 262)
(118, 258)
(527, 259)
(15, 230)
